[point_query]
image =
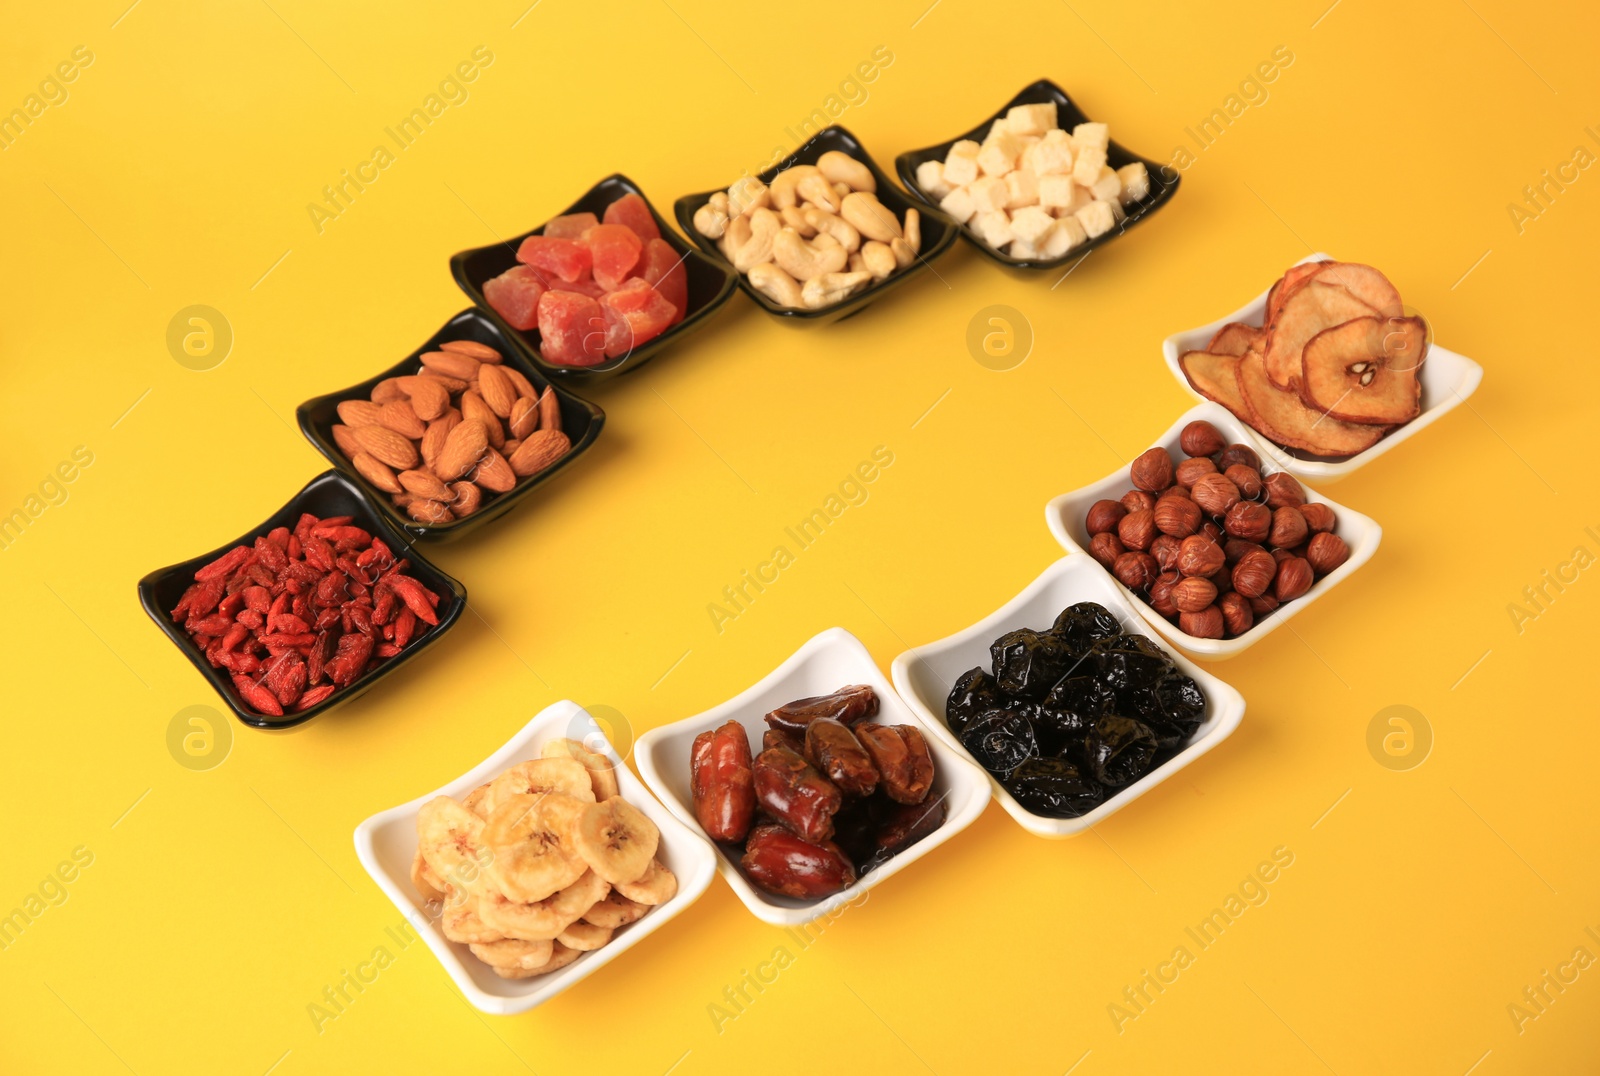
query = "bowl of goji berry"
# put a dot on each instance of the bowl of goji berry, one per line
(306, 611)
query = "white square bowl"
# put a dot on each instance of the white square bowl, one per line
(827, 662)
(1447, 380)
(1065, 517)
(926, 674)
(387, 842)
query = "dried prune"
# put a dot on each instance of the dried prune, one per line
(782, 863)
(1059, 731)
(1081, 694)
(974, 692)
(1119, 750)
(834, 750)
(723, 782)
(1181, 699)
(794, 794)
(1130, 662)
(1028, 663)
(1001, 740)
(901, 755)
(1054, 788)
(849, 704)
(1084, 624)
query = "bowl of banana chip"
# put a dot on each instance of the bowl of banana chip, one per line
(538, 867)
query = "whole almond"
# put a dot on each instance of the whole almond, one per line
(360, 413)
(451, 384)
(386, 390)
(386, 445)
(494, 473)
(452, 364)
(403, 499)
(468, 498)
(511, 445)
(462, 449)
(539, 451)
(549, 410)
(429, 397)
(524, 386)
(438, 430)
(375, 471)
(345, 438)
(426, 485)
(399, 417)
(498, 391)
(524, 417)
(425, 511)
(474, 407)
(481, 352)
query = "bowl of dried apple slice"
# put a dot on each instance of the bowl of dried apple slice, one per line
(1327, 368)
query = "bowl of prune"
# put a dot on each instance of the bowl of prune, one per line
(1064, 700)
(815, 784)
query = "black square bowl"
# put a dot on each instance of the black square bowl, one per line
(938, 230)
(329, 494)
(1068, 115)
(710, 284)
(580, 420)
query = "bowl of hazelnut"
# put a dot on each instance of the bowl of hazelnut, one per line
(1215, 547)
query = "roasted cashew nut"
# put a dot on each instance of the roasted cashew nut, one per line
(913, 230)
(776, 285)
(803, 260)
(746, 194)
(830, 288)
(843, 168)
(734, 236)
(870, 216)
(842, 230)
(710, 221)
(816, 189)
(794, 217)
(783, 185)
(764, 225)
(878, 259)
(903, 254)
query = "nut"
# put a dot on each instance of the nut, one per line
(1238, 454)
(426, 485)
(1193, 594)
(1215, 493)
(765, 226)
(1254, 573)
(1191, 469)
(819, 192)
(1200, 438)
(1326, 551)
(375, 471)
(1249, 521)
(843, 168)
(494, 473)
(497, 390)
(1137, 529)
(1103, 516)
(524, 417)
(539, 451)
(1161, 594)
(746, 194)
(1212, 531)
(1135, 499)
(355, 413)
(776, 285)
(385, 445)
(1247, 478)
(1152, 471)
(1237, 617)
(1165, 550)
(1177, 516)
(1135, 570)
(1288, 528)
(871, 217)
(878, 259)
(1106, 547)
(913, 231)
(424, 510)
(1263, 605)
(1200, 556)
(710, 221)
(1234, 549)
(1205, 624)
(1319, 517)
(1294, 579)
(820, 220)
(1282, 489)
(804, 260)
(461, 451)
(830, 288)
(468, 499)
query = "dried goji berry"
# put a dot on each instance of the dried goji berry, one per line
(226, 564)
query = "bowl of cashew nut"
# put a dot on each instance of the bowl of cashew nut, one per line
(819, 235)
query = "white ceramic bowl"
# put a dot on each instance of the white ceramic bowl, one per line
(1065, 516)
(926, 674)
(1447, 380)
(824, 664)
(387, 842)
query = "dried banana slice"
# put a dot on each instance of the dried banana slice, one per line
(615, 911)
(529, 837)
(584, 937)
(514, 953)
(540, 775)
(427, 883)
(450, 838)
(616, 839)
(657, 886)
(546, 918)
(475, 798)
(461, 922)
(560, 957)
(602, 773)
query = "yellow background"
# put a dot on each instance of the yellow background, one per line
(218, 907)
